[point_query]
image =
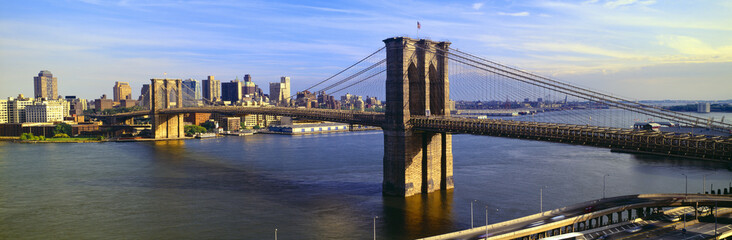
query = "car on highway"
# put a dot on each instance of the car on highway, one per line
(535, 224)
(635, 229)
(703, 210)
(485, 236)
(674, 218)
(566, 236)
(589, 209)
(557, 218)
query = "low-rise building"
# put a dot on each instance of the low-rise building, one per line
(103, 103)
(127, 103)
(317, 128)
(196, 118)
(231, 123)
(44, 112)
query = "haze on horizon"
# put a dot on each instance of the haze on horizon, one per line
(641, 49)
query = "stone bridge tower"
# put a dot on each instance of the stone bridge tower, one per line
(416, 85)
(164, 92)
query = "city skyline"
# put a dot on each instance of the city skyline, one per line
(638, 49)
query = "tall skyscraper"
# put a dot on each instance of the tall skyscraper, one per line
(279, 93)
(231, 91)
(122, 90)
(144, 99)
(211, 89)
(45, 85)
(285, 88)
(191, 89)
(248, 86)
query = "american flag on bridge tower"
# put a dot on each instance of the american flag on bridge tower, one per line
(419, 26)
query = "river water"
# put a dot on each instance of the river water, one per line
(324, 186)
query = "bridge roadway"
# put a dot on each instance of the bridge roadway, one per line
(575, 217)
(622, 139)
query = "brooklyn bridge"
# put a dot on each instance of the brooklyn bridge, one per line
(415, 75)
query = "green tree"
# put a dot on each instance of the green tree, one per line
(63, 128)
(60, 135)
(208, 125)
(26, 136)
(193, 129)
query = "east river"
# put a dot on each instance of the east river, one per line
(307, 187)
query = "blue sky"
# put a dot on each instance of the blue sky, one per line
(642, 49)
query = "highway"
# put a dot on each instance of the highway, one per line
(704, 229)
(581, 212)
(662, 227)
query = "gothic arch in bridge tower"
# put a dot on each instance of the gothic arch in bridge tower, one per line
(416, 86)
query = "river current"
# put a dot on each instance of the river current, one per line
(325, 186)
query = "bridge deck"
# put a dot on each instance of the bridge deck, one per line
(696, 146)
(673, 144)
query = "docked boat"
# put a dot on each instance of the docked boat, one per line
(205, 135)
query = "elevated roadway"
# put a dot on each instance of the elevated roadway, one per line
(587, 215)
(622, 139)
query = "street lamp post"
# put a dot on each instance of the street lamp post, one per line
(603, 185)
(375, 217)
(686, 184)
(715, 218)
(686, 193)
(275, 234)
(486, 221)
(471, 213)
(541, 200)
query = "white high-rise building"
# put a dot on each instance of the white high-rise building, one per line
(4, 111)
(279, 93)
(285, 89)
(66, 105)
(16, 108)
(44, 112)
(703, 107)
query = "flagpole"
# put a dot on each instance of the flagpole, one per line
(418, 27)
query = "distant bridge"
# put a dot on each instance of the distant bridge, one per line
(417, 121)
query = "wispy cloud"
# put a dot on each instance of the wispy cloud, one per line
(579, 48)
(516, 14)
(618, 3)
(694, 47)
(477, 6)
